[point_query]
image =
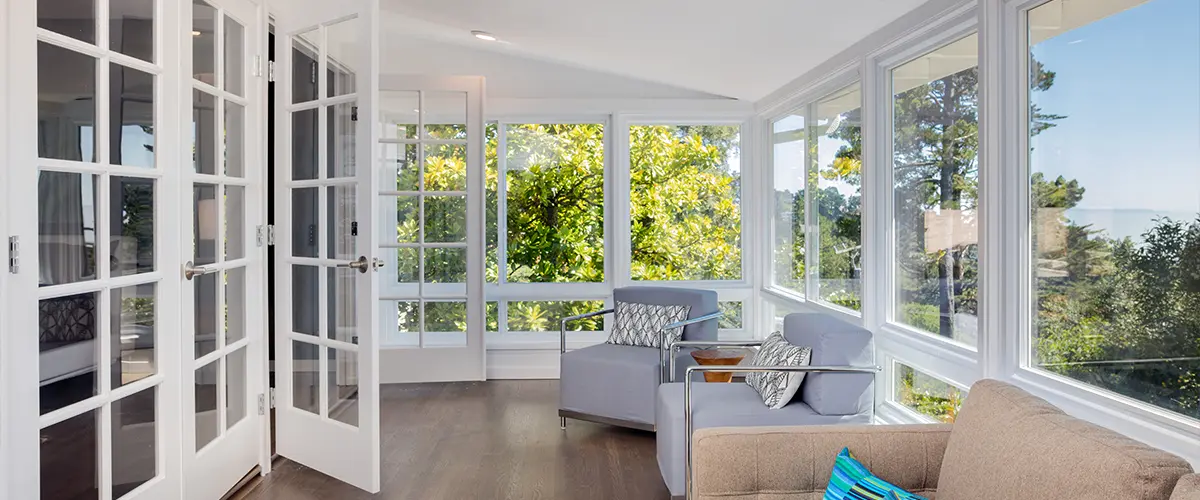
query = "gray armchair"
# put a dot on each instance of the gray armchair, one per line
(839, 389)
(617, 384)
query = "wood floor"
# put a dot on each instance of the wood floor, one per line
(485, 441)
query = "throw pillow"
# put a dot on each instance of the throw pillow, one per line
(851, 480)
(778, 388)
(641, 324)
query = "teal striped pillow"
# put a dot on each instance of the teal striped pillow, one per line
(852, 481)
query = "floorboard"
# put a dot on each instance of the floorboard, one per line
(487, 440)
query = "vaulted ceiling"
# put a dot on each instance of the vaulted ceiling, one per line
(659, 48)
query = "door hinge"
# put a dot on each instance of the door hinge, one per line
(260, 235)
(270, 71)
(258, 70)
(272, 397)
(262, 404)
(14, 254)
(313, 76)
(353, 113)
(271, 235)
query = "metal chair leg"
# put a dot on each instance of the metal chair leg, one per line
(562, 423)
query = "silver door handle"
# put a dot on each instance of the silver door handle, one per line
(190, 271)
(361, 264)
(377, 263)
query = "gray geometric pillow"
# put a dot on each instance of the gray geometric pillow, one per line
(641, 324)
(778, 388)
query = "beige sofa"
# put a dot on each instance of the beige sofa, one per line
(1006, 444)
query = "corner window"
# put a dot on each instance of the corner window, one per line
(926, 394)
(1115, 212)
(838, 172)
(788, 146)
(685, 202)
(935, 170)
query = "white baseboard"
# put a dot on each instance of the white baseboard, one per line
(520, 364)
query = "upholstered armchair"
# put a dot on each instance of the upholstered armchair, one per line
(617, 384)
(838, 389)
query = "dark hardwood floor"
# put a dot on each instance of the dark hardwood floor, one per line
(487, 440)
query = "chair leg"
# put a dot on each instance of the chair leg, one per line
(562, 422)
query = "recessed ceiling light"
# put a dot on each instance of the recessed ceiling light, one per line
(196, 33)
(483, 35)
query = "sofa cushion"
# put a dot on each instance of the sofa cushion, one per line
(1188, 488)
(778, 388)
(614, 381)
(851, 480)
(1008, 444)
(701, 302)
(834, 343)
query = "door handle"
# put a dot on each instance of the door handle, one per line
(190, 271)
(361, 264)
(377, 263)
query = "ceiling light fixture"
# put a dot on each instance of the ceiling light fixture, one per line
(196, 33)
(483, 35)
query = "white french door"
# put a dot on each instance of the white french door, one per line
(431, 216)
(223, 274)
(327, 346)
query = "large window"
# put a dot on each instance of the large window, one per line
(1114, 168)
(926, 394)
(837, 169)
(936, 181)
(788, 146)
(685, 202)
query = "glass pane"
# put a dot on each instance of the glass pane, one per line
(685, 204)
(838, 164)
(235, 387)
(732, 319)
(491, 204)
(445, 167)
(208, 423)
(235, 139)
(343, 306)
(66, 103)
(343, 38)
(406, 317)
(78, 22)
(926, 394)
(67, 332)
(555, 190)
(1115, 213)
(235, 305)
(343, 386)
(66, 227)
(206, 313)
(445, 265)
(408, 229)
(204, 224)
(305, 300)
(304, 67)
(71, 446)
(936, 172)
(343, 203)
(341, 147)
(398, 111)
(204, 42)
(133, 334)
(445, 323)
(546, 316)
(445, 115)
(204, 127)
(445, 219)
(235, 222)
(407, 265)
(789, 143)
(399, 167)
(304, 222)
(131, 28)
(304, 144)
(305, 384)
(234, 59)
(134, 441)
(131, 111)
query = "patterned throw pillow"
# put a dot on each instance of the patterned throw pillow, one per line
(778, 388)
(852, 481)
(641, 324)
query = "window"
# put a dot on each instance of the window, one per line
(837, 163)
(926, 394)
(936, 181)
(1115, 212)
(685, 202)
(788, 140)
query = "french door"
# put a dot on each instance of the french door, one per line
(431, 193)
(223, 274)
(327, 347)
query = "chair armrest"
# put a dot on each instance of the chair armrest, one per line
(562, 330)
(687, 396)
(674, 347)
(662, 341)
(744, 462)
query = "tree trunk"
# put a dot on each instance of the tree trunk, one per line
(948, 201)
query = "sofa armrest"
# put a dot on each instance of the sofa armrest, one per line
(796, 462)
(1188, 488)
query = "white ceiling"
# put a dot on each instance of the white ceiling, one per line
(689, 48)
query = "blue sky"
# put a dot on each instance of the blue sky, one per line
(1129, 85)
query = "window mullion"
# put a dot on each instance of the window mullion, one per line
(812, 233)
